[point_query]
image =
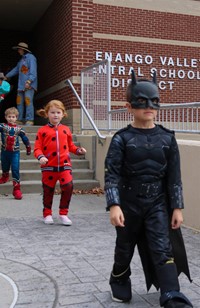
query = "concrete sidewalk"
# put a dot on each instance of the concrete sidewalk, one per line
(43, 266)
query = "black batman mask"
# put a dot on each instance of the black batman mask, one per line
(143, 93)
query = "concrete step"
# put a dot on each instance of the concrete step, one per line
(35, 175)
(30, 172)
(33, 164)
(23, 155)
(32, 142)
(32, 187)
(31, 131)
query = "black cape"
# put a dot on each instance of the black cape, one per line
(179, 252)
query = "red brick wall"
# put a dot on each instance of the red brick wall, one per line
(65, 46)
(135, 22)
(184, 90)
(150, 24)
(63, 39)
(82, 34)
(53, 43)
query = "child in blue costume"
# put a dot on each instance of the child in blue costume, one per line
(10, 151)
(144, 196)
(4, 87)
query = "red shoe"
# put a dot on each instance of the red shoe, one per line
(4, 178)
(16, 191)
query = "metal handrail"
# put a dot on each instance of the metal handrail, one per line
(163, 106)
(170, 106)
(172, 118)
(86, 112)
(180, 105)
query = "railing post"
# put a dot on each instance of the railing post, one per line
(109, 96)
(101, 137)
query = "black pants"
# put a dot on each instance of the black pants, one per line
(145, 216)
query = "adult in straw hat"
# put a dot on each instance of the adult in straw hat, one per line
(26, 69)
(23, 46)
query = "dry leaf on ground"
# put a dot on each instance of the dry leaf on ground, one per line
(94, 191)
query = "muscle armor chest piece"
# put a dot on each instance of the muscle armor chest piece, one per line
(150, 152)
(137, 158)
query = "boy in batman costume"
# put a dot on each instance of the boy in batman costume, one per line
(144, 196)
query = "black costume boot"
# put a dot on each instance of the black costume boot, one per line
(121, 286)
(175, 299)
(171, 297)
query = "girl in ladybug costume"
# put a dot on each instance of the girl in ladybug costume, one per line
(52, 147)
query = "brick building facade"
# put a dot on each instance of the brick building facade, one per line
(144, 35)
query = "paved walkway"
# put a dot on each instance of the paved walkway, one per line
(54, 266)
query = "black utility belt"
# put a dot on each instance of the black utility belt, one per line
(144, 189)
